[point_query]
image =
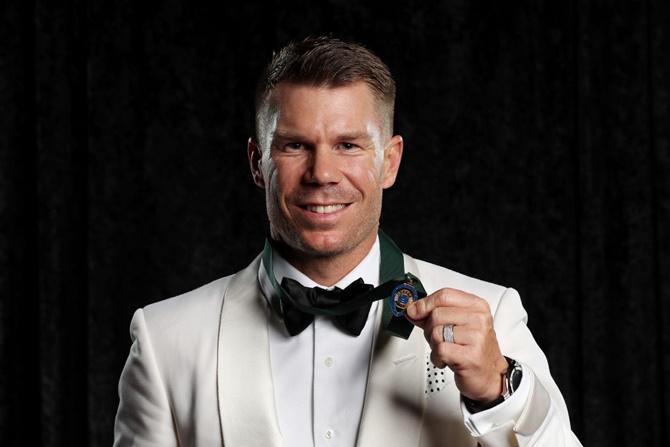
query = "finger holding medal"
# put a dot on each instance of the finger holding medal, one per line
(459, 329)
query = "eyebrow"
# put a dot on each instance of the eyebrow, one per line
(356, 136)
(286, 135)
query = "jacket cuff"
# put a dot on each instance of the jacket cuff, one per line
(522, 414)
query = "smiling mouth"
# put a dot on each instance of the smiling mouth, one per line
(325, 209)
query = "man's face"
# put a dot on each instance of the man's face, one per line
(327, 163)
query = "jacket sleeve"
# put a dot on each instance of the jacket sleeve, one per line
(543, 418)
(144, 417)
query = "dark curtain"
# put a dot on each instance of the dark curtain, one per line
(537, 156)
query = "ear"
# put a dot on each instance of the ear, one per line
(392, 157)
(254, 153)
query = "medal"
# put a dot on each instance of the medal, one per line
(401, 297)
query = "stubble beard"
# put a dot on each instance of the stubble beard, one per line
(295, 246)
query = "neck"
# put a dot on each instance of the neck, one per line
(327, 270)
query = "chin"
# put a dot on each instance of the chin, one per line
(312, 242)
(324, 243)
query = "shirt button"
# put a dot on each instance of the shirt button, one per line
(329, 434)
(329, 362)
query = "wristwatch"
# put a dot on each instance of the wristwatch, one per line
(511, 381)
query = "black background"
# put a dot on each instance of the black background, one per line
(537, 155)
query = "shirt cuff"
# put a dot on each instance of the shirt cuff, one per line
(508, 411)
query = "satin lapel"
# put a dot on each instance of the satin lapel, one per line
(395, 393)
(244, 377)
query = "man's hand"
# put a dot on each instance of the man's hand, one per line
(475, 356)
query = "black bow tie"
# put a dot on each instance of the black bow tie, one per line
(301, 303)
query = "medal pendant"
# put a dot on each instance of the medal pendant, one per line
(401, 297)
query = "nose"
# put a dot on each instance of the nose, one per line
(323, 167)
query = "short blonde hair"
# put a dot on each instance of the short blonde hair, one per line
(327, 62)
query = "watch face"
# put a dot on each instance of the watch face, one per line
(515, 377)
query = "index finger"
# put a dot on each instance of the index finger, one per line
(441, 298)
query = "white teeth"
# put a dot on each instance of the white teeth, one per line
(324, 209)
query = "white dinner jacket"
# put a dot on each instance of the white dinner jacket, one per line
(199, 374)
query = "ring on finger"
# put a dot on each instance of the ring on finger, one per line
(448, 333)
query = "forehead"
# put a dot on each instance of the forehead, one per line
(308, 108)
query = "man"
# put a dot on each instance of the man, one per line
(269, 356)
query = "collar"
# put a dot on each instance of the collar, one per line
(368, 269)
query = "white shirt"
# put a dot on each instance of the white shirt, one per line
(320, 375)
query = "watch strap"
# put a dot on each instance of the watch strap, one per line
(511, 381)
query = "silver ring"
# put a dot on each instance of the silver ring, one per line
(448, 333)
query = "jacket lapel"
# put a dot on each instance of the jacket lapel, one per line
(395, 395)
(244, 377)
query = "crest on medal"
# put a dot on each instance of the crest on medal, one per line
(401, 297)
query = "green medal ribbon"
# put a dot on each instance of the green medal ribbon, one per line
(397, 289)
